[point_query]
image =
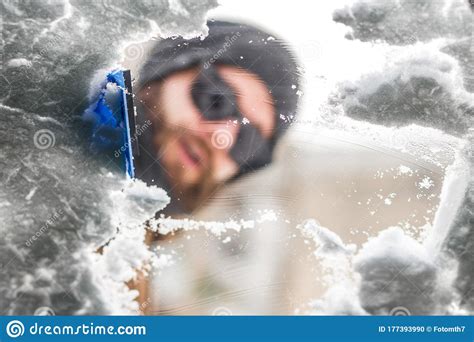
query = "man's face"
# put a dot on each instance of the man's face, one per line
(193, 151)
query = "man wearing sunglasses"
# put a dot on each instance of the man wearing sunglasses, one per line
(218, 106)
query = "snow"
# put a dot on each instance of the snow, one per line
(44, 85)
(168, 225)
(328, 242)
(403, 169)
(391, 271)
(396, 271)
(18, 62)
(426, 183)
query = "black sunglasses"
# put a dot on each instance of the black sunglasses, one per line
(216, 100)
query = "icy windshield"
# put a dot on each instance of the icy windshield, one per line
(288, 157)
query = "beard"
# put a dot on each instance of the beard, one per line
(190, 195)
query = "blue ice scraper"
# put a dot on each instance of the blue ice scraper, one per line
(112, 119)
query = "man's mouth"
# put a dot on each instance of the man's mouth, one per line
(191, 155)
